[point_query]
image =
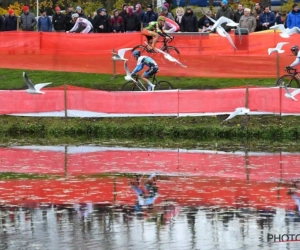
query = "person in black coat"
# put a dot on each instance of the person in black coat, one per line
(149, 16)
(10, 22)
(131, 21)
(101, 22)
(1, 23)
(69, 24)
(189, 21)
(58, 21)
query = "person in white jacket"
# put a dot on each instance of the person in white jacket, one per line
(82, 25)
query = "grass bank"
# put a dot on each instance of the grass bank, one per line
(271, 128)
(12, 79)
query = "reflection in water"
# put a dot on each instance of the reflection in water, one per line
(170, 199)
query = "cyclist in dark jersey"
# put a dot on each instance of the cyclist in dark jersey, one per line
(155, 29)
(149, 62)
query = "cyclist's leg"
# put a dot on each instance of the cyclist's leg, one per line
(155, 39)
(149, 34)
(147, 74)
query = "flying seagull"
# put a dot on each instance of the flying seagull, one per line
(34, 89)
(222, 20)
(128, 74)
(277, 48)
(169, 57)
(120, 55)
(221, 31)
(238, 111)
(290, 95)
(285, 33)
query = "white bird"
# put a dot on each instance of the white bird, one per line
(285, 33)
(290, 95)
(221, 31)
(169, 57)
(34, 89)
(277, 48)
(120, 55)
(128, 74)
(238, 111)
(222, 20)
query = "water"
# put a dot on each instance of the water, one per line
(86, 198)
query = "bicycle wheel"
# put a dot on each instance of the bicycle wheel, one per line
(289, 81)
(129, 86)
(173, 51)
(163, 85)
(142, 49)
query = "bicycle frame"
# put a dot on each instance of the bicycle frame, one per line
(137, 81)
(294, 73)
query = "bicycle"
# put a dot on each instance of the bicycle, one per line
(136, 84)
(290, 80)
(172, 50)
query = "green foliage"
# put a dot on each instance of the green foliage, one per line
(287, 7)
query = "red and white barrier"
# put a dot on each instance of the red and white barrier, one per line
(95, 103)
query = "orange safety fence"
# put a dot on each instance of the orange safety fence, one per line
(205, 55)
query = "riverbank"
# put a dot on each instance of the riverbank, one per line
(241, 128)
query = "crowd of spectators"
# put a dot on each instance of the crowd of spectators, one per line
(134, 18)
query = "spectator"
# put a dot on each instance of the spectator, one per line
(202, 20)
(293, 18)
(10, 21)
(206, 28)
(124, 11)
(256, 13)
(247, 21)
(28, 21)
(239, 12)
(116, 22)
(139, 12)
(179, 15)
(149, 16)
(267, 18)
(44, 22)
(59, 21)
(90, 18)
(165, 13)
(131, 21)
(101, 22)
(168, 8)
(69, 24)
(189, 21)
(279, 18)
(2, 25)
(225, 11)
(79, 11)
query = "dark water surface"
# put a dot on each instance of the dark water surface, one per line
(145, 198)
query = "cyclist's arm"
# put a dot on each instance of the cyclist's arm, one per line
(75, 27)
(296, 62)
(172, 28)
(138, 68)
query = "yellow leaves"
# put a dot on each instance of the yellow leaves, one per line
(17, 7)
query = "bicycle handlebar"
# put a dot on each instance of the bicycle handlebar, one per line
(291, 70)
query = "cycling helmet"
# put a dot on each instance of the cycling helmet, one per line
(161, 18)
(136, 53)
(295, 49)
(75, 15)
